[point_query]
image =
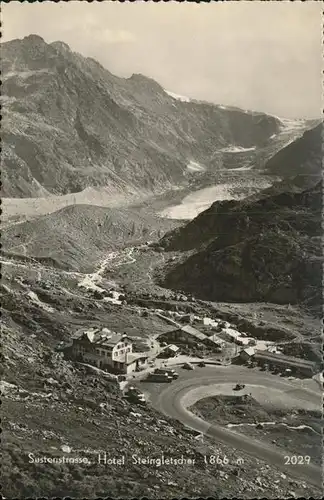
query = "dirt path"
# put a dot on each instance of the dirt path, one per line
(112, 260)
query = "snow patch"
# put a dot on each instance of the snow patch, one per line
(238, 169)
(291, 124)
(193, 166)
(115, 299)
(7, 387)
(5, 99)
(237, 149)
(295, 427)
(25, 74)
(179, 97)
(34, 298)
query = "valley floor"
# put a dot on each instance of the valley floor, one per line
(16, 210)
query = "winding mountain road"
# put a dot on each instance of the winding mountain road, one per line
(176, 397)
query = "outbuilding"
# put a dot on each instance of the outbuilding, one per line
(171, 350)
(247, 354)
(298, 366)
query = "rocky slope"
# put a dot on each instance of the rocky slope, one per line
(52, 407)
(264, 250)
(301, 157)
(68, 123)
(77, 237)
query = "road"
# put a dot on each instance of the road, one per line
(171, 402)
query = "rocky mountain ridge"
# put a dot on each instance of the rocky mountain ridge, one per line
(68, 123)
(300, 157)
(271, 253)
(263, 248)
(78, 236)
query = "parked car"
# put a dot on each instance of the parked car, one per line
(188, 366)
(166, 371)
(201, 364)
(134, 395)
(159, 377)
(238, 387)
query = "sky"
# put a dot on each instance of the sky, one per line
(264, 56)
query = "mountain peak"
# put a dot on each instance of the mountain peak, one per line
(128, 130)
(61, 46)
(35, 39)
(139, 76)
(144, 80)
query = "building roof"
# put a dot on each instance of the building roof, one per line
(172, 347)
(249, 351)
(244, 340)
(215, 338)
(111, 340)
(271, 356)
(132, 357)
(209, 321)
(77, 335)
(231, 332)
(103, 337)
(193, 331)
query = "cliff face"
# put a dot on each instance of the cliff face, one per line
(68, 123)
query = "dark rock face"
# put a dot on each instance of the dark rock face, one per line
(303, 156)
(68, 123)
(266, 250)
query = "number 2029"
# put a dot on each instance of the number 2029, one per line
(297, 459)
